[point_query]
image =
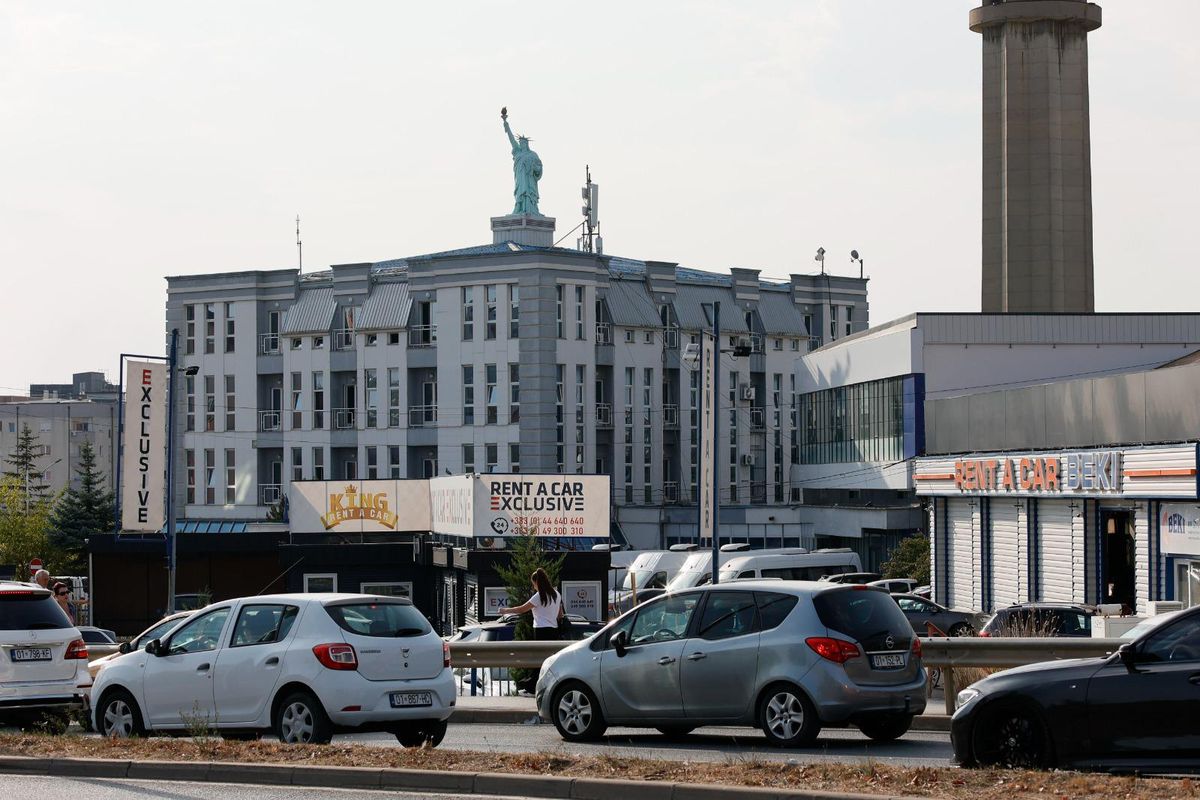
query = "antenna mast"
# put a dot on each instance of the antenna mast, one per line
(591, 241)
(299, 245)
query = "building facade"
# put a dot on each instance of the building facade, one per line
(500, 358)
(61, 428)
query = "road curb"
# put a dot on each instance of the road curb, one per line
(929, 723)
(482, 783)
(938, 723)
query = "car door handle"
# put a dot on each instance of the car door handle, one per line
(1195, 679)
(272, 661)
(202, 668)
(666, 660)
(696, 656)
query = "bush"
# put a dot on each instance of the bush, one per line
(910, 559)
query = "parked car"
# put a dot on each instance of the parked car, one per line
(805, 655)
(45, 658)
(502, 629)
(1134, 709)
(925, 591)
(921, 613)
(100, 642)
(851, 577)
(895, 585)
(1041, 619)
(302, 666)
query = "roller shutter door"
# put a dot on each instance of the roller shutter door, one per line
(963, 586)
(1008, 551)
(1056, 551)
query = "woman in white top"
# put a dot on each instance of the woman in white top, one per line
(546, 605)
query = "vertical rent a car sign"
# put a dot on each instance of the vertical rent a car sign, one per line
(144, 444)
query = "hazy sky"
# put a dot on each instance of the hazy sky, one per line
(142, 139)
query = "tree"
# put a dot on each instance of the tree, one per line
(24, 467)
(24, 535)
(910, 559)
(527, 556)
(83, 512)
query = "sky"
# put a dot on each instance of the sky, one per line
(146, 139)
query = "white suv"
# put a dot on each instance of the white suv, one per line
(43, 659)
(302, 666)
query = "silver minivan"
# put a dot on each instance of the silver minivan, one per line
(789, 657)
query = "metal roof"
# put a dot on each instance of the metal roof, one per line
(386, 308)
(630, 305)
(689, 306)
(780, 314)
(312, 312)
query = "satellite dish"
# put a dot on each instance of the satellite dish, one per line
(854, 254)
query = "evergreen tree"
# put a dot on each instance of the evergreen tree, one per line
(23, 461)
(527, 556)
(910, 559)
(82, 512)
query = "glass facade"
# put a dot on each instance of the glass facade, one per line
(872, 421)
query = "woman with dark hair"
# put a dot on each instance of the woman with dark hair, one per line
(62, 594)
(546, 605)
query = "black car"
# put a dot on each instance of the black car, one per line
(1041, 619)
(921, 613)
(1134, 709)
(502, 630)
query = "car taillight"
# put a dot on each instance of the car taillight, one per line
(336, 656)
(985, 634)
(76, 649)
(445, 655)
(837, 650)
(916, 648)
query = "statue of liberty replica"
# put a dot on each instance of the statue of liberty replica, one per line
(527, 170)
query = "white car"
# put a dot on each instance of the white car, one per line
(302, 666)
(43, 659)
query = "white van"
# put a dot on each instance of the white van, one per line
(649, 573)
(697, 570)
(799, 565)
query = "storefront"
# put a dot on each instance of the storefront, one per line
(1118, 525)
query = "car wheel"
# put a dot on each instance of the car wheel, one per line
(300, 719)
(1011, 736)
(887, 727)
(962, 629)
(118, 715)
(577, 714)
(676, 731)
(428, 732)
(787, 717)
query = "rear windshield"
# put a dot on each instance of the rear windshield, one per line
(31, 613)
(379, 619)
(866, 615)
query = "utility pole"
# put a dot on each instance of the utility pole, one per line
(171, 360)
(716, 445)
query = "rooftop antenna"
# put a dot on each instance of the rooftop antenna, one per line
(299, 245)
(591, 241)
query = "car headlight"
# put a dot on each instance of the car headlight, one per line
(964, 697)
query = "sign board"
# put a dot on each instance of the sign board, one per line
(34, 565)
(144, 447)
(494, 599)
(1179, 529)
(358, 506)
(708, 422)
(582, 598)
(540, 505)
(452, 503)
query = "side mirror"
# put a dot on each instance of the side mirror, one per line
(124, 648)
(1128, 655)
(620, 643)
(154, 647)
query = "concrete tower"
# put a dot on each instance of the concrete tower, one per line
(1037, 173)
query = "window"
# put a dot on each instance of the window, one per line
(387, 589)
(628, 337)
(210, 477)
(190, 389)
(514, 392)
(263, 624)
(386, 619)
(320, 582)
(579, 312)
(1174, 642)
(559, 369)
(393, 376)
(210, 403)
(468, 458)
(468, 372)
(297, 343)
(795, 345)
(773, 608)
(777, 344)
(230, 476)
(514, 457)
(491, 457)
(371, 379)
(491, 394)
(210, 327)
(198, 635)
(514, 311)
(860, 422)
(664, 620)
(372, 463)
(318, 342)
(728, 614)
(490, 322)
(833, 322)
(371, 339)
(189, 341)
(189, 459)
(229, 327)
(318, 404)
(297, 401)
(558, 306)
(849, 320)
(318, 461)
(297, 463)
(230, 404)
(394, 337)
(468, 313)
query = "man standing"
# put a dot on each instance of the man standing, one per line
(42, 578)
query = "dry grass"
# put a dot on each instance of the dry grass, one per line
(939, 782)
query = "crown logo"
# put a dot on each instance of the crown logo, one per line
(351, 490)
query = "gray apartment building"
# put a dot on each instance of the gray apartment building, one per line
(61, 427)
(507, 357)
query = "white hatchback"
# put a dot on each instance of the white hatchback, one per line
(302, 666)
(43, 659)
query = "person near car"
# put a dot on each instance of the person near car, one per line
(546, 605)
(62, 594)
(42, 578)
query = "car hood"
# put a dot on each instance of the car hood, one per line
(1045, 670)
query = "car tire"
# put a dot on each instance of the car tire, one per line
(962, 629)
(118, 716)
(887, 727)
(576, 713)
(1011, 735)
(676, 732)
(787, 716)
(300, 719)
(423, 733)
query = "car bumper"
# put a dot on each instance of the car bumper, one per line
(10, 706)
(352, 701)
(961, 725)
(840, 701)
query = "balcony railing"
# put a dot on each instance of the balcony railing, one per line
(422, 416)
(671, 338)
(269, 493)
(758, 418)
(670, 415)
(603, 333)
(670, 491)
(343, 339)
(270, 420)
(756, 343)
(269, 344)
(422, 336)
(343, 418)
(603, 415)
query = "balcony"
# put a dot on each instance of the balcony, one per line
(343, 419)
(756, 343)
(270, 421)
(422, 416)
(343, 339)
(603, 333)
(269, 494)
(603, 415)
(422, 336)
(758, 418)
(670, 415)
(671, 338)
(268, 344)
(670, 491)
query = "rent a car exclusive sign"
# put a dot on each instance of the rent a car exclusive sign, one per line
(545, 506)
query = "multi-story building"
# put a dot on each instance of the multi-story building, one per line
(500, 358)
(61, 427)
(83, 385)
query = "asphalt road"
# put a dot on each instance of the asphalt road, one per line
(705, 744)
(113, 789)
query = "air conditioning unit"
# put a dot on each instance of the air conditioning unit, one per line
(747, 460)
(1156, 607)
(747, 392)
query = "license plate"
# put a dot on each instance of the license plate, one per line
(31, 654)
(888, 661)
(409, 699)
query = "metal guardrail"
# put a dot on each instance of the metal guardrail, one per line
(503, 654)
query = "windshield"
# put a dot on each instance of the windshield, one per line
(728, 575)
(1145, 626)
(643, 577)
(690, 578)
(379, 619)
